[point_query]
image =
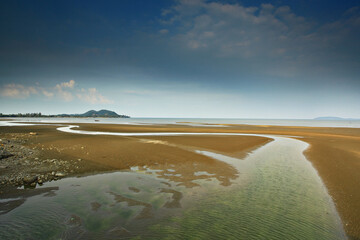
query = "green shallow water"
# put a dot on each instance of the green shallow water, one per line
(275, 195)
(283, 198)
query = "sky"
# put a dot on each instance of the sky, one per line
(181, 58)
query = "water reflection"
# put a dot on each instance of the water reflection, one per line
(146, 212)
(176, 197)
(18, 197)
(187, 173)
(9, 205)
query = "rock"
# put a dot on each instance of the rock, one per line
(53, 173)
(33, 133)
(134, 189)
(95, 206)
(30, 180)
(5, 154)
(74, 220)
(60, 174)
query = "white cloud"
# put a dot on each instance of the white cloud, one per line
(47, 94)
(65, 94)
(17, 91)
(92, 96)
(69, 84)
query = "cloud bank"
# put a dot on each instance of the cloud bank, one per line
(65, 91)
(17, 91)
(274, 39)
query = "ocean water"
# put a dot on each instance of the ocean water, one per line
(199, 121)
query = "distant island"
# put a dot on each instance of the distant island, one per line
(92, 113)
(333, 118)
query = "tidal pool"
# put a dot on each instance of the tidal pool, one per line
(274, 193)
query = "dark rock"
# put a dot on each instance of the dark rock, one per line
(30, 180)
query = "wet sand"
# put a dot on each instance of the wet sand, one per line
(334, 152)
(109, 153)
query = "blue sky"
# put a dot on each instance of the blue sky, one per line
(183, 58)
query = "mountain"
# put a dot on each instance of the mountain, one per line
(93, 113)
(101, 113)
(328, 118)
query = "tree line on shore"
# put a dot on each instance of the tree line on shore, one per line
(91, 113)
(24, 115)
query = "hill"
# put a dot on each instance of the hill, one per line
(93, 113)
(334, 118)
(329, 118)
(101, 113)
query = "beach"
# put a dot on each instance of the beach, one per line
(333, 152)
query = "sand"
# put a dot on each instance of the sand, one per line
(334, 152)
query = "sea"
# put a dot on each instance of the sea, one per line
(200, 121)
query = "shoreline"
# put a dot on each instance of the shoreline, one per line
(333, 152)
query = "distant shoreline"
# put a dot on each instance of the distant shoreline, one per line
(50, 116)
(92, 113)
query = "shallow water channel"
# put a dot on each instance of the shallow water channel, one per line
(275, 193)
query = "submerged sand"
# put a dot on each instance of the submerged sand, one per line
(334, 152)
